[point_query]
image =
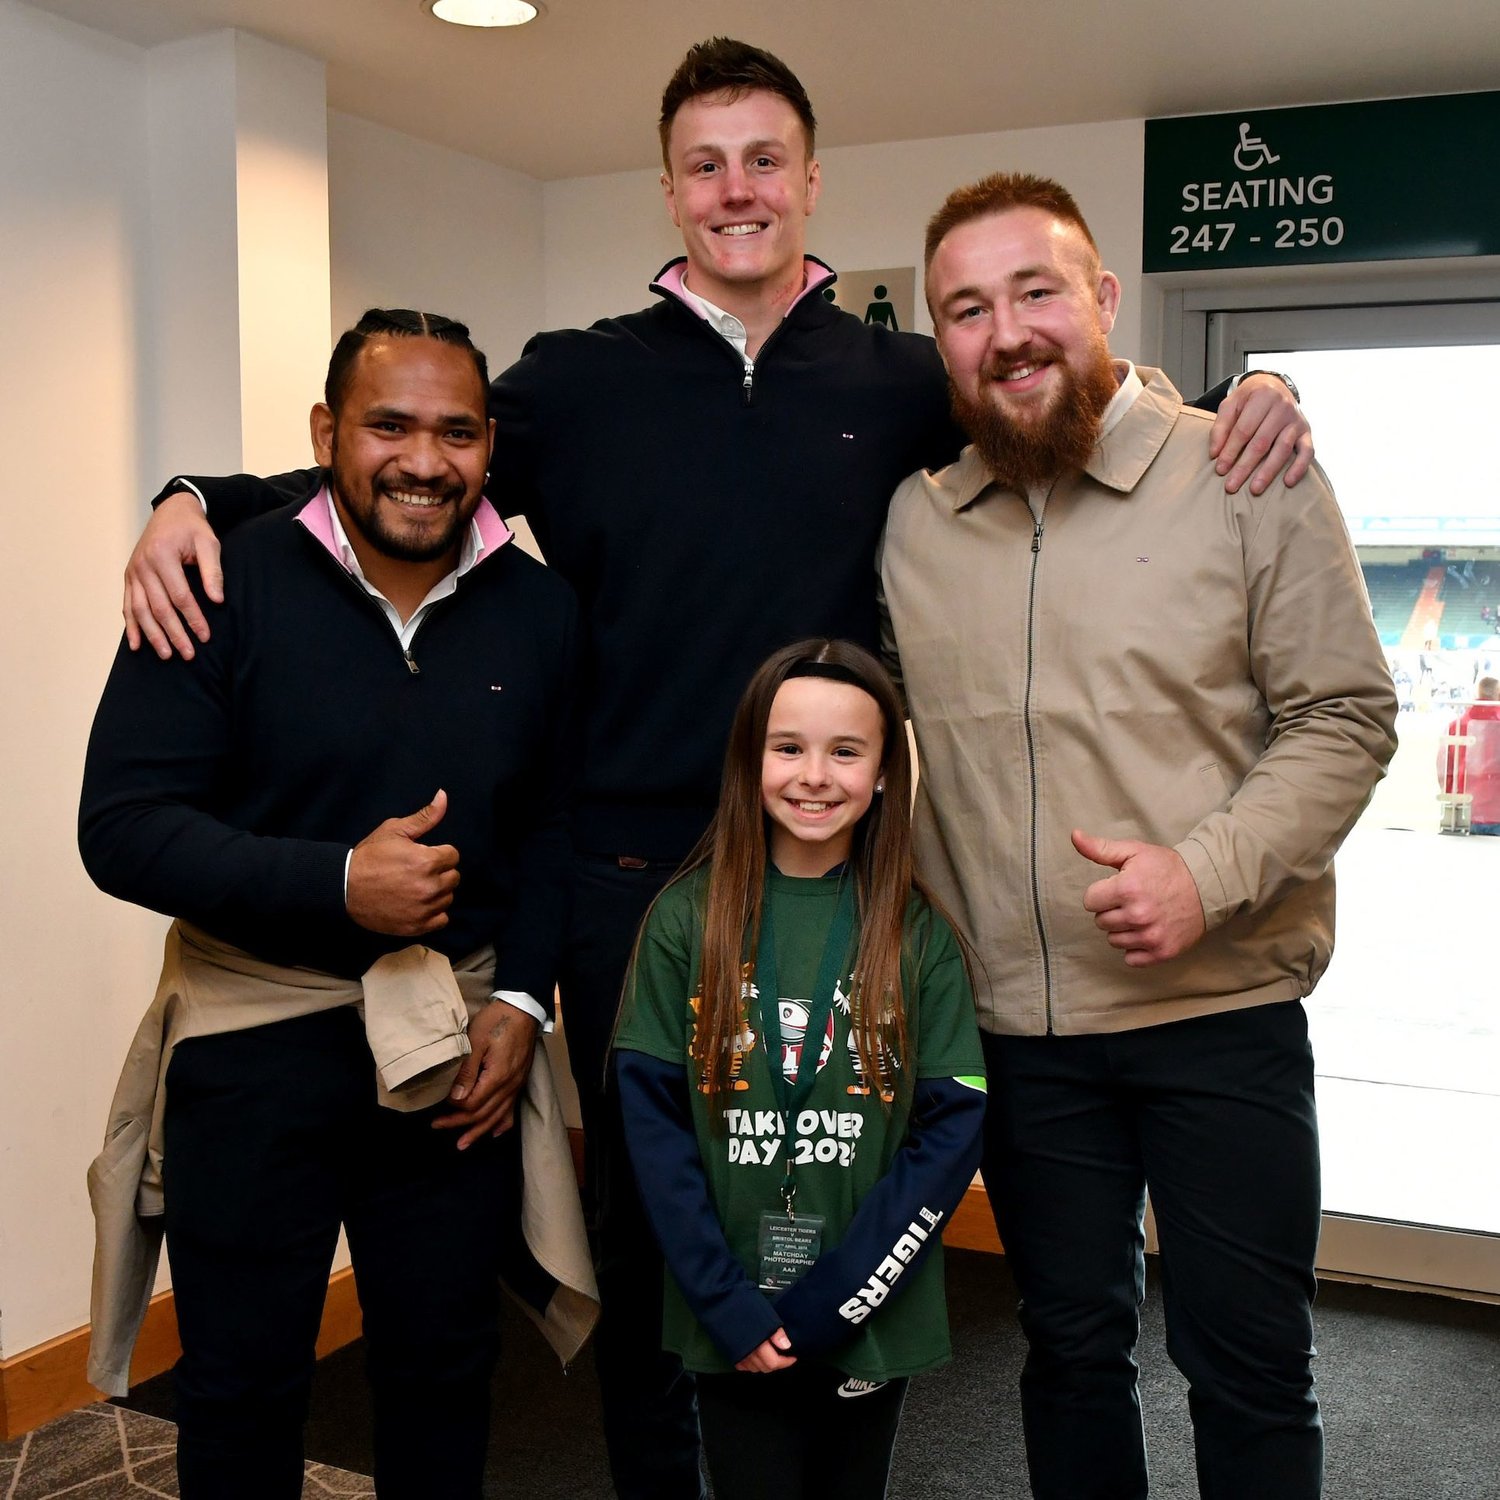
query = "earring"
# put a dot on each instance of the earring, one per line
(880, 785)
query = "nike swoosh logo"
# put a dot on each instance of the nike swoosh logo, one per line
(853, 1387)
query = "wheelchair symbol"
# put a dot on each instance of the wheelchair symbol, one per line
(1252, 152)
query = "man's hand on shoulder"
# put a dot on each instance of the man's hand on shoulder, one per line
(158, 601)
(1150, 908)
(397, 885)
(1259, 431)
(483, 1096)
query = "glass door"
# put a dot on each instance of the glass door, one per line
(1405, 403)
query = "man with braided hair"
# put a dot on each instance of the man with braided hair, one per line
(382, 709)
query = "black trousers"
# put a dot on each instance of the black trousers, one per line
(1216, 1114)
(807, 1433)
(273, 1137)
(649, 1406)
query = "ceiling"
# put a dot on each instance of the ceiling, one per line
(577, 92)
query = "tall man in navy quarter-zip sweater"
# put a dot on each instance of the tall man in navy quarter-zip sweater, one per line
(370, 753)
(711, 475)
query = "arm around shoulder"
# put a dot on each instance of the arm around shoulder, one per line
(1259, 432)
(190, 516)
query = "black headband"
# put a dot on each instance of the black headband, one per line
(829, 669)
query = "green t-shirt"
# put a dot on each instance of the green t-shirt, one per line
(846, 1136)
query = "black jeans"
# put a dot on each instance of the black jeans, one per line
(807, 1433)
(272, 1137)
(650, 1411)
(1216, 1114)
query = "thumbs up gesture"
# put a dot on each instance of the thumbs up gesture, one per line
(1149, 908)
(398, 885)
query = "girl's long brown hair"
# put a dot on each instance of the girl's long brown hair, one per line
(734, 848)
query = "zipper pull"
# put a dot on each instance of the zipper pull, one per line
(1036, 536)
(411, 665)
(748, 384)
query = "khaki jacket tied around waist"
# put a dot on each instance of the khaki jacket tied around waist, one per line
(416, 1006)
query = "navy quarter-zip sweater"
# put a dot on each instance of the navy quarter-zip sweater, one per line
(706, 522)
(229, 791)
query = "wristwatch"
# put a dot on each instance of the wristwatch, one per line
(1285, 379)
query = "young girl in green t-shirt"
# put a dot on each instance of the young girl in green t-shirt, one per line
(803, 1089)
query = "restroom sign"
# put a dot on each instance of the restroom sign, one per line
(886, 298)
(1396, 179)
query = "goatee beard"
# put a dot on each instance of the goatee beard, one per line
(364, 516)
(1028, 455)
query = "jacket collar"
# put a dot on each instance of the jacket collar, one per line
(1120, 458)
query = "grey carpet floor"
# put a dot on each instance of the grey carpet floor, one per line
(1410, 1387)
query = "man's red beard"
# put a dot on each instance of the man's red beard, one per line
(1024, 454)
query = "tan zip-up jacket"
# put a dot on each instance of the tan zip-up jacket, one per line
(1150, 659)
(416, 1006)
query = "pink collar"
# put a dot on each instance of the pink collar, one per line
(816, 274)
(317, 517)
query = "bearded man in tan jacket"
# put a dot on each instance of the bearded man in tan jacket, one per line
(1148, 712)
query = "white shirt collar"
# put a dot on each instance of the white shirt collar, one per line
(470, 550)
(723, 323)
(1124, 397)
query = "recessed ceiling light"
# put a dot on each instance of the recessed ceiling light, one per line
(485, 12)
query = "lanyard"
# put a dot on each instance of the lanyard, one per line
(792, 1093)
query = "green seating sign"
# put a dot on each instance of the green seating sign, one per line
(1394, 179)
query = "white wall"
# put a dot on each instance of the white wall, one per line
(414, 225)
(238, 256)
(280, 125)
(607, 236)
(77, 966)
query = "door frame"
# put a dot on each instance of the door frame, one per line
(1189, 299)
